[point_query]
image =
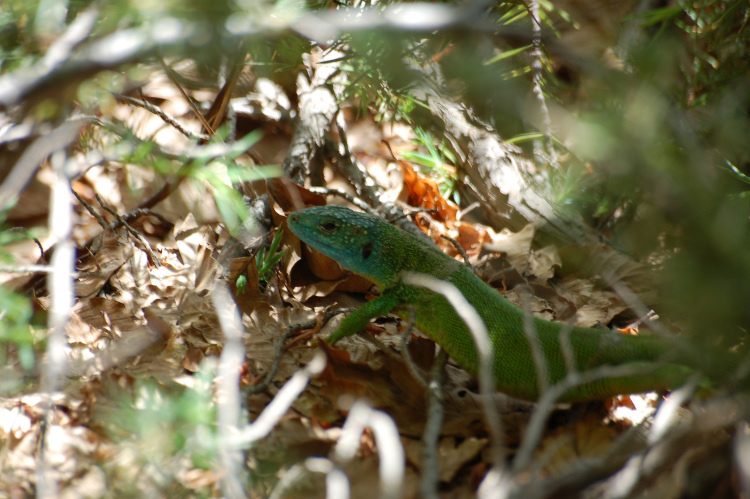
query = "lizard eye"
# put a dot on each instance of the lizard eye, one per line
(328, 226)
(367, 250)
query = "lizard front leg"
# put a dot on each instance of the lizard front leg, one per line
(358, 320)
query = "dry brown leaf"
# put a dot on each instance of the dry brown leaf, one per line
(250, 296)
(390, 387)
(452, 454)
(542, 264)
(290, 196)
(103, 259)
(471, 237)
(601, 261)
(425, 193)
(565, 447)
(524, 298)
(517, 246)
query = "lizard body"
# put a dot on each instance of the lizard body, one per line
(381, 252)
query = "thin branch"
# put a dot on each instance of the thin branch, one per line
(100, 219)
(405, 336)
(28, 164)
(429, 479)
(460, 249)
(391, 451)
(228, 392)
(484, 347)
(62, 293)
(154, 259)
(545, 148)
(281, 403)
(263, 385)
(165, 116)
(337, 483)
(325, 191)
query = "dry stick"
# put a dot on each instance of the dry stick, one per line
(228, 392)
(712, 416)
(281, 403)
(158, 196)
(27, 165)
(405, 336)
(583, 471)
(352, 199)
(165, 116)
(59, 53)
(221, 106)
(549, 398)
(484, 347)
(129, 216)
(337, 484)
(103, 223)
(154, 259)
(173, 78)
(362, 181)
(390, 449)
(110, 52)
(460, 249)
(61, 302)
(25, 233)
(24, 269)
(537, 353)
(536, 65)
(428, 483)
(142, 212)
(666, 415)
(636, 305)
(263, 385)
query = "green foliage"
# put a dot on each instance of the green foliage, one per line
(433, 163)
(18, 45)
(15, 328)
(212, 166)
(379, 79)
(266, 261)
(16, 311)
(164, 427)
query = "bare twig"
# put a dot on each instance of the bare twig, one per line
(428, 483)
(484, 347)
(23, 269)
(342, 194)
(537, 353)
(154, 259)
(405, 336)
(550, 397)
(228, 393)
(165, 116)
(337, 483)
(263, 385)
(283, 400)
(173, 78)
(100, 219)
(27, 165)
(460, 249)
(392, 458)
(62, 293)
(545, 148)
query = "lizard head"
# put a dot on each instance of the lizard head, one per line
(355, 240)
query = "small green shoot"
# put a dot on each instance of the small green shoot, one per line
(433, 163)
(266, 261)
(241, 284)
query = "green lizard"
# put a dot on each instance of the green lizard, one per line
(381, 252)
